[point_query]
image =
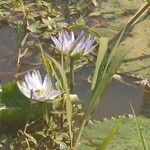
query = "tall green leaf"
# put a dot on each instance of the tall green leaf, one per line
(101, 53)
(110, 136)
(111, 66)
(139, 130)
(102, 81)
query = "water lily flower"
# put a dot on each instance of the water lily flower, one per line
(66, 40)
(33, 87)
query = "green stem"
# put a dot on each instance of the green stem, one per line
(71, 75)
(79, 134)
(62, 59)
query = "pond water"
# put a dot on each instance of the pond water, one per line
(116, 100)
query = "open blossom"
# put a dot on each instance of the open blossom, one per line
(33, 87)
(66, 40)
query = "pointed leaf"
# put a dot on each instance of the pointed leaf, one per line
(110, 136)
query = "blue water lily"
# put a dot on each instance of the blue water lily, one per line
(33, 87)
(66, 41)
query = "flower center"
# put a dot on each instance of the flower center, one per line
(40, 92)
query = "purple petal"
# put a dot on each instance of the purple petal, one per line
(57, 43)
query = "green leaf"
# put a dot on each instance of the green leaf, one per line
(14, 118)
(68, 101)
(12, 97)
(80, 21)
(108, 68)
(110, 136)
(139, 131)
(101, 53)
(95, 13)
(15, 108)
(14, 114)
(95, 2)
(110, 65)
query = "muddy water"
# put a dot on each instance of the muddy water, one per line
(8, 53)
(116, 100)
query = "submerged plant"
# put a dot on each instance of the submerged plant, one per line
(67, 42)
(33, 87)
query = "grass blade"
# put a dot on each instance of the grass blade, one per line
(101, 53)
(139, 130)
(110, 136)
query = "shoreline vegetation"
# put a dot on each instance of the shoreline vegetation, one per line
(40, 108)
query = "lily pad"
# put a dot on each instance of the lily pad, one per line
(15, 108)
(12, 97)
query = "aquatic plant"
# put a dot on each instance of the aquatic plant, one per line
(33, 87)
(49, 124)
(66, 42)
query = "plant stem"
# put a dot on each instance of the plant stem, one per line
(71, 75)
(62, 59)
(79, 134)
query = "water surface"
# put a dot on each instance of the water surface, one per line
(117, 98)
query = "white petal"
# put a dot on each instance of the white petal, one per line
(29, 81)
(88, 50)
(24, 90)
(53, 94)
(60, 37)
(47, 84)
(57, 43)
(35, 78)
(89, 47)
(40, 91)
(67, 36)
(72, 37)
(39, 76)
(80, 45)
